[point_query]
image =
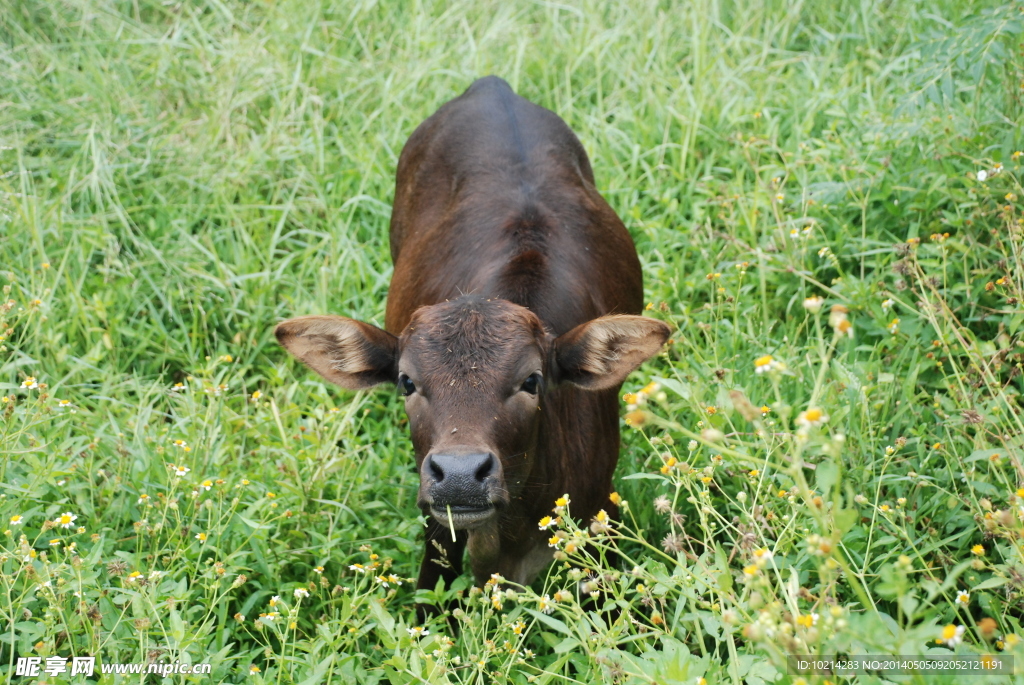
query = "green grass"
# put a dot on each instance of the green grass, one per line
(177, 177)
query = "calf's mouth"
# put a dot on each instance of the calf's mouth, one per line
(462, 516)
(459, 487)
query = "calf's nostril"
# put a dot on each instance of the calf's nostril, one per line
(435, 470)
(485, 468)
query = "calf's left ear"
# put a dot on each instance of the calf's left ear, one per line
(600, 354)
(349, 353)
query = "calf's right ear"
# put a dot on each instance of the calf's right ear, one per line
(349, 353)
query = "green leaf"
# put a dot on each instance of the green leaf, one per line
(678, 387)
(177, 632)
(550, 621)
(826, 475)
(844, 520)
(567, 645)
(988, 584)
(317, 676)
(255, 525)
(724, 577)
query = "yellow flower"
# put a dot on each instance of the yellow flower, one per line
(17, 520)
(978, 550)
(952, 635)
(713, 276)
(554, 541)
(545, 523)
(65, 520)
(227, 358)
(811, 417)
(616, 499)
(629, 398)
(765, 410)
(636, 418)
(201, 537)
(750, 570)
(711, 410)
(1016, 155)
(779, 197)
(814, 304)
(30, 383)
(651, 388)
(806, 620)
(765, 364)
(562, 501)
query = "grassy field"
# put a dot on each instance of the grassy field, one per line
(808, 476)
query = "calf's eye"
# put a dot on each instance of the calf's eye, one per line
(531, 384)
(405, 385)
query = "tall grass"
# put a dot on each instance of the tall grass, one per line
(177, 177)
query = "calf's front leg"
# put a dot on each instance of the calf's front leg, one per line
(442, 559)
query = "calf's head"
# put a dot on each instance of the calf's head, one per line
(473, 373)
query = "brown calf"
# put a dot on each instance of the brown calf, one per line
(508, 330)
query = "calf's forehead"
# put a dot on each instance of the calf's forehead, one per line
(471, 337)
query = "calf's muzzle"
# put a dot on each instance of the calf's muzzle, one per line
(464, 481)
